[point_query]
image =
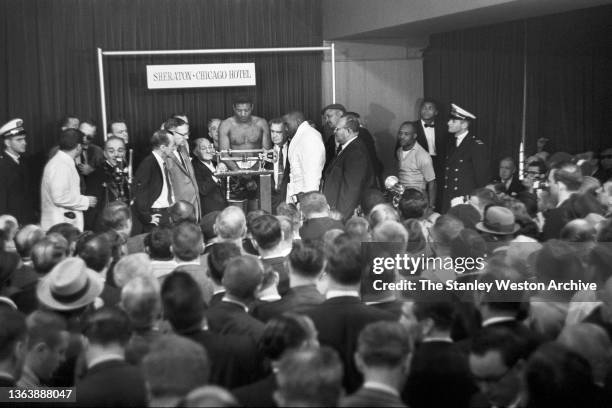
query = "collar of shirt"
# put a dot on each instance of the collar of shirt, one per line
(270, 298)
(375, 385)
(347, 143)
(334, 293)
(14, 157)
(181, 263)
(284, 253)
(242, 305)
(498, 319)
(460, 138)
(104, 358)
(433, 339)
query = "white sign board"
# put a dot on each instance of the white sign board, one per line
(200, 75)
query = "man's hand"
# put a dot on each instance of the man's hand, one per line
(155, 219)
(92, 201)
(85, 169)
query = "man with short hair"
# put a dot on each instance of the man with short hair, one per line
(118, 128)
(604, 171)
(47, 343)
(317, 221)
(69, 122)
(279, 137)
(61, 199)
(564, 180)
(13, 341)
(109, 380)
(210, 187)
(243, 131)
(186, 246)
(268, 239)
(432, 135)
(182, 176)
(153, 189)
(230, 225)
(383, 357)
(17, 191)
(350, 173)
(91, 155)
(508, 183)
(306, 156)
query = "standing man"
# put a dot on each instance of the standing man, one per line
(279, 136)
(508, 181)
(306, 154)
(415, 164)
(182, 176)
(91, 155)
(153, 192)
(431, 133)
(213, 131)
(118, 128)
(331, 115)
(243, 131)
(209, 186)
(350, 173)
(61, 200)
(17, 192)
(467, 166)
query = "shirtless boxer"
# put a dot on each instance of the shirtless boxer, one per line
(243, 131)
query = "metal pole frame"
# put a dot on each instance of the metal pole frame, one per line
(101, 54)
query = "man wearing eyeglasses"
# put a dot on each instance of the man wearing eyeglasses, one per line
(182, 176)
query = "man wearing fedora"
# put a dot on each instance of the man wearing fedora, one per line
(467, 166)
(498, 228)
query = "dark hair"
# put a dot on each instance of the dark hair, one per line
(96, 251)
(371, 198)
(306, 259)
(384, 344)
(280, 334)
(429, 100)
(24, 243)
(539, 164)
(108, 325)
(182, 211)
(64, 121)
(186, 241)
(266, 231)
(441, 313)
(159, 138)
(182, 301)
(240, 99)
(446, 229)
(510, 346)
(8, 265)
(276, 121)
(44, 326)
(48, 252)
(69, 139)
(12, 330)
(569, 174)
(68, 231)
(219, 254)
(242, 276)
(344, 261)
(412, 204)
(172, 123)
(600, 259)
(113, 121)
(158, 241)
(558, 260)
(352, 123)
(115, 215)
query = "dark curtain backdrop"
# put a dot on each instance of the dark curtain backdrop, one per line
(481, 70)
(565, 61)
(48, 60)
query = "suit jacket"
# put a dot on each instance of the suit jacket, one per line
(184, 183)
(313, 229)
(370, 144)
(230, 318)
(555, 219)
(347, 177)
(367, 397)
(279, 264)
(147, 186)
(295, 300)
(441, 141)
(112, 383)
(60, 193)
(467, 168)
(306, 157)
(339, 321)
(17, 192)
(279, 194)
(515, 186)
(435, 363)
(211, 192)
(258, 394)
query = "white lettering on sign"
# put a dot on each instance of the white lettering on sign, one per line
(200, 75)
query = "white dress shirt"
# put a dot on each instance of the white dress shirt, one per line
(306, 156)
(430, 136)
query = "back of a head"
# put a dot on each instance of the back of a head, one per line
(503, 340)
(283, 333)
(345, 261)
(288, 228)
(390, 231)
(26, 238)
(412, 204)
(468, 244)
(12, 330)
(209, 396)
(219, 255)
(48, 252)
(108, 326)
(569, 174)
(441, 312)
(313, 202)
(69, 139)
(498, 298)
(130, 267)
(158, 242)
(358, 228)
(243, 275)
(558, 260)
(591, 342)
(384, 345)
(445, 229)
(578, 230)
(182, 211)
(310, 378)
(172, 123)
(231, 223)
(371, 198)
(266, 230)
(68, 231)
(95, 251)
(416, 237)
(174, 366)
(141, 301)
(182, 300)
(306, 259)
(116, 216)
(290, 211)
(45, 327)
(187, 241)
(382, 212)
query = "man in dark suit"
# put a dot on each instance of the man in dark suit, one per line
(109, 381)
(13, 337)
(317, 221)
(210, 187)
(153, 190)
(279, 136)
(467, 166)
(234, 358)
(383, 356)
(432, 135)
(273, 247)
(564, 181)
(508, 182)
(242, 279)
(350, 173)
(217, 257)
(17, 192)
(342, 316)
(305, 267)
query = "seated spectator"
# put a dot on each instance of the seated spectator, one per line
(317, 220)
(281, 334)
(157, 246)
(13, 339)
(305, 267)
(68, 231)
(209, 396)
(591, 342)
(218, 257)
(309, 378)
(46, 348)
(130, 267)
(173, 367)
(383, 357)
(109, 380)
(186, 245)
(272, 247)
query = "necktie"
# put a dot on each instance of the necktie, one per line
(338, 149)
(281, 166)
(168, 184)
(180, 155)
(428, 125)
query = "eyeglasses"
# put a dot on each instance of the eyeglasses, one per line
(533, 173)
(186, 134)
(338, 128)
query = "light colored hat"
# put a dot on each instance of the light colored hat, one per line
(499, 221)
(12, 128)
(458, 112)
(70, 285)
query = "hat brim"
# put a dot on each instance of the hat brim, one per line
(481, 227)
(43, 292)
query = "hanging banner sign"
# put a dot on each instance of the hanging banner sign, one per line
(200, 75)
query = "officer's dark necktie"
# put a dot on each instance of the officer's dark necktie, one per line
(168, 183)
